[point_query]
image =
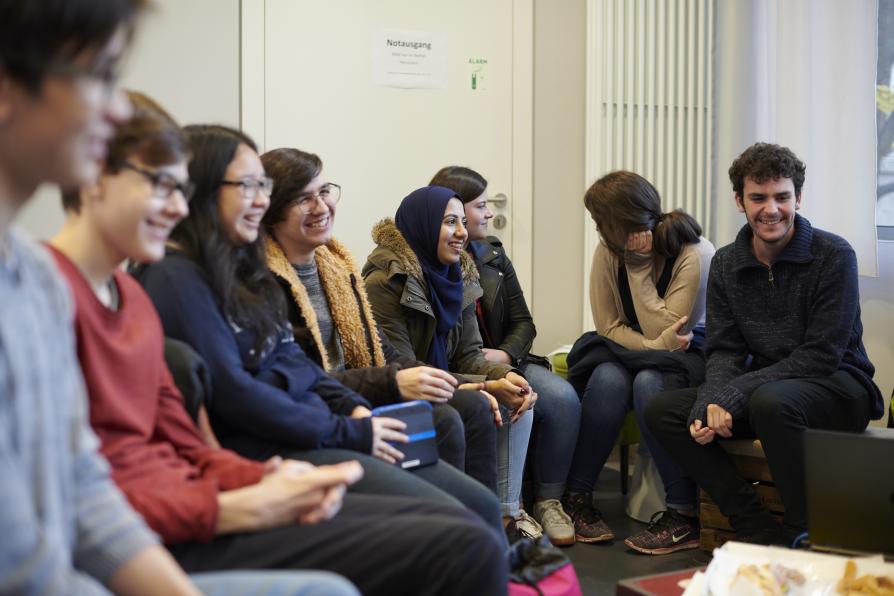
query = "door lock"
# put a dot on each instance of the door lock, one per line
(500, 221)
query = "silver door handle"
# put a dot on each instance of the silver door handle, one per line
(499, 200)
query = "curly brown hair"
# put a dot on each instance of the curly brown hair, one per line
(767, 161)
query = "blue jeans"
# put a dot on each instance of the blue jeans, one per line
(512, 448)
(611, 392)
(273, 583)
(557, 416)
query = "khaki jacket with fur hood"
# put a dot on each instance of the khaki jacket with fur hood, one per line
(371, 364)
(398, 294)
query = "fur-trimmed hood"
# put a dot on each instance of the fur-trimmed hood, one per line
(394, 254)
(398, 292)
(348, 302)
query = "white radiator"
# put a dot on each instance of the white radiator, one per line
(649, 103)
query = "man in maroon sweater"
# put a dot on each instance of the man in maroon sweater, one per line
(214, 509)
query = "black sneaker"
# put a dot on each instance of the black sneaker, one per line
(768, 536)
(668, 532)
(589, 527)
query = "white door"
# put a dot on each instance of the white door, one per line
(308, 83)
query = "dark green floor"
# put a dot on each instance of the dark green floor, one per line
(600, 566)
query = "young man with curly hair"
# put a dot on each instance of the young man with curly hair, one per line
(784, 350)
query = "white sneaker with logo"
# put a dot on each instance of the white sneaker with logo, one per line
(527, 525)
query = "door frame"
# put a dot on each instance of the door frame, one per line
(252, 115)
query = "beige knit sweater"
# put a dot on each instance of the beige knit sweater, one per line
(685, 296)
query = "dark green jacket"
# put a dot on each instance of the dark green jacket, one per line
(398, 295)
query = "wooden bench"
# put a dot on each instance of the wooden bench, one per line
(748, 458)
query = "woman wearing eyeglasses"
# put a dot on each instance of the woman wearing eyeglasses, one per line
(268, 398)
(334, 325)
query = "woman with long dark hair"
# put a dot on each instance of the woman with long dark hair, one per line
(507, 330)
(215, 292)
(215, 510)
(647, 293)
(423, 286)
(333, 322)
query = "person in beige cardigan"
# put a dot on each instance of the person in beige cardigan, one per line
(647, 292)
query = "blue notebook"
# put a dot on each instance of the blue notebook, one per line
(422, 449)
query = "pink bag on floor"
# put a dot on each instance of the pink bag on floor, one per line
(540, 569)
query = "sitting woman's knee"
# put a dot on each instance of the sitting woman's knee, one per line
(609, 372)
(565, 397)
(647, 384)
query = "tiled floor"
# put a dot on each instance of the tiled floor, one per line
(600, 566)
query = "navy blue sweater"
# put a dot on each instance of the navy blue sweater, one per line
(284, 400)
(799, 318)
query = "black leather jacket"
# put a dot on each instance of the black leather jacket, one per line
(510, 326)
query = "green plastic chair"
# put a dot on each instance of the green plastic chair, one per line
(629, 434)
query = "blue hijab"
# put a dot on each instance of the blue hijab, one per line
(419, 219)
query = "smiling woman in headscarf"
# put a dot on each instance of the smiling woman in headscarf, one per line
(422, 286)
(437, 236)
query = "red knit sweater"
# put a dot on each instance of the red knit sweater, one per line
(158, 458)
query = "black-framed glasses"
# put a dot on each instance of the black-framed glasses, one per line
(163, 185)
(249, 187)
(329, 193)
(107, 72)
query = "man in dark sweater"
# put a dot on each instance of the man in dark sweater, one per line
(784, 350)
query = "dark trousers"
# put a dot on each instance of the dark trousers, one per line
(385, 545)
(449, 435)
(777, 414)
(480, 437)
(439, 482)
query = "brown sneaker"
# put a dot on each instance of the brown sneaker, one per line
(589, 526)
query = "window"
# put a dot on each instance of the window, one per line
(885, 120)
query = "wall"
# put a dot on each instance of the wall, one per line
(559, 95)
(201, 83)
(186, 56)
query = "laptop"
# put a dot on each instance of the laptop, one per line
(850, 490)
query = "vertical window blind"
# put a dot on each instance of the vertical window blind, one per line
(649, 103)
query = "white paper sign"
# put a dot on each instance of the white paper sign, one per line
(409, 59)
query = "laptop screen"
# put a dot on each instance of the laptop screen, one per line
(850, 490)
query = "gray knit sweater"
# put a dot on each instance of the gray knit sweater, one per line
(799, 318)
(65, 527)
